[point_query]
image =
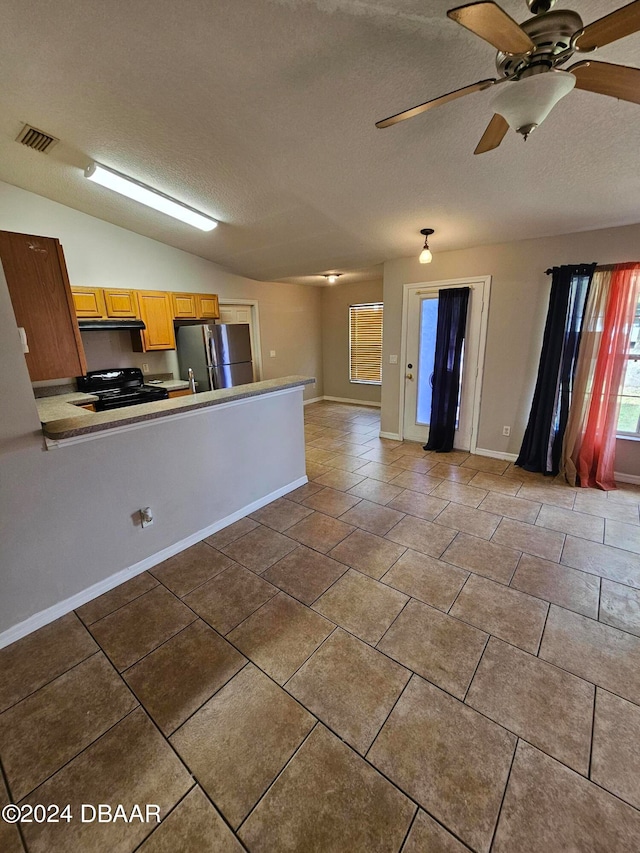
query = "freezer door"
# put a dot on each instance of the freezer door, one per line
(230, 375)
(230, 343)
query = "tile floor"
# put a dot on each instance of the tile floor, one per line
(412, 652)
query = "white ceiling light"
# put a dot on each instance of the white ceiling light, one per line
(333, 277)
(425, 255)
(145, 195)
(527, 102)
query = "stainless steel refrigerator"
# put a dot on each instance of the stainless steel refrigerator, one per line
(219, 354)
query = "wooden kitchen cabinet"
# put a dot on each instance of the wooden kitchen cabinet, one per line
(89, 302)
(207, 306)
(156, 312)
(184, 305)
(121, 303)
(43, 305)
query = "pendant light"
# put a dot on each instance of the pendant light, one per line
(425, 255)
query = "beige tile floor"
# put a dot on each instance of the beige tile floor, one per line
(413, 652)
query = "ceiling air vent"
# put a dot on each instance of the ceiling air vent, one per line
(36, 139)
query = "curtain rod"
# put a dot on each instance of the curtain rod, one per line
(550, 270)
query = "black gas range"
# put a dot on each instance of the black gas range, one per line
(121, 386)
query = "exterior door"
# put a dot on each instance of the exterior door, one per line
(421, 314)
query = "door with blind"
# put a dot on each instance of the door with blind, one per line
(419, 341)
(365, 343)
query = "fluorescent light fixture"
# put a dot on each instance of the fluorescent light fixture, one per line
(131, 188)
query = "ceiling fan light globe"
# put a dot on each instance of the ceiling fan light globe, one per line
(425, 256)
(529, 101)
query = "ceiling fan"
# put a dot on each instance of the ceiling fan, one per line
(528, 60)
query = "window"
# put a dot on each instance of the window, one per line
(365, 343)
(629, 416)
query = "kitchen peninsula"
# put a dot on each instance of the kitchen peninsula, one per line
(200, 462)
(62, 419)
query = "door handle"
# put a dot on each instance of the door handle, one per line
(409, 376)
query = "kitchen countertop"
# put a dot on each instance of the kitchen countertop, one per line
(61, 419)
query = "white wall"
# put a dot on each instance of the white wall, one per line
(335, 339)
(99, 254)
(517, 313)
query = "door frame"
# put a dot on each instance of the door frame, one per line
(481, 283)
(255, 322)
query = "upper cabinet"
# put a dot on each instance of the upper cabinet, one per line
(185, 305)
(198, 306)
(156, 313)
(39, 288)
(88, 302)
(156, 308)
(121, 303)
(207, 306)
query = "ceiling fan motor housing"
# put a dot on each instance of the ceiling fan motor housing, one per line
(539, 7)
(551, 33)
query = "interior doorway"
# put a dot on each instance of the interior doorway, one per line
(420, 314)
(245, 311)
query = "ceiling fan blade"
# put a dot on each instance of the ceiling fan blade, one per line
(612, 27)
(617, 81)
(435, 102)
(493, 135)
(492, 24)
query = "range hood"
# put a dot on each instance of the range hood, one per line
(109, 325)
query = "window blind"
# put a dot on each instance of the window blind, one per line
(365, 343)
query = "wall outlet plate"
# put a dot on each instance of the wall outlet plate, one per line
(506, 430)
(393, 359)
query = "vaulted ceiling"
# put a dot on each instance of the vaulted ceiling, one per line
(261, 113)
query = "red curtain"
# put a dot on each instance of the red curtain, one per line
(595, 456)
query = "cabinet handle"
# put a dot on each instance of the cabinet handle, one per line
(23, 339)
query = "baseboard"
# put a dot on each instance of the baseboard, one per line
(44, 617)
(312, 400)
(626, 478)
(496, 454)
(392, 436)
(353, 402)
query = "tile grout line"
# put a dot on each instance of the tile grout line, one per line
(593, 732)
(504, 794)
(171, 810)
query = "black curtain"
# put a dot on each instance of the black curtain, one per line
(450, 332)
(542, 443)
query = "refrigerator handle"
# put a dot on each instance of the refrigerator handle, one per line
(207, 348)
(212, 386)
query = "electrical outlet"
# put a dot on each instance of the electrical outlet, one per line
(506, 430)
(146, 516)
(272, 353)
(393, 359)
(145, 368)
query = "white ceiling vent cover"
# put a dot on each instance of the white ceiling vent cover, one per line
(36, 139)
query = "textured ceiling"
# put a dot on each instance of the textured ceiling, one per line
(261, 113)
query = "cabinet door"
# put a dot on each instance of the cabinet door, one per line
(88, 302)
(120, 303)
(182, 393)
(184, 305)
(208, 307)
(156, 313)
(39, 288)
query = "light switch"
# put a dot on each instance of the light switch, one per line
(272, 353)
(393, 359)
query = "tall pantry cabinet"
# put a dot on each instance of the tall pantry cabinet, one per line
(39, 288)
